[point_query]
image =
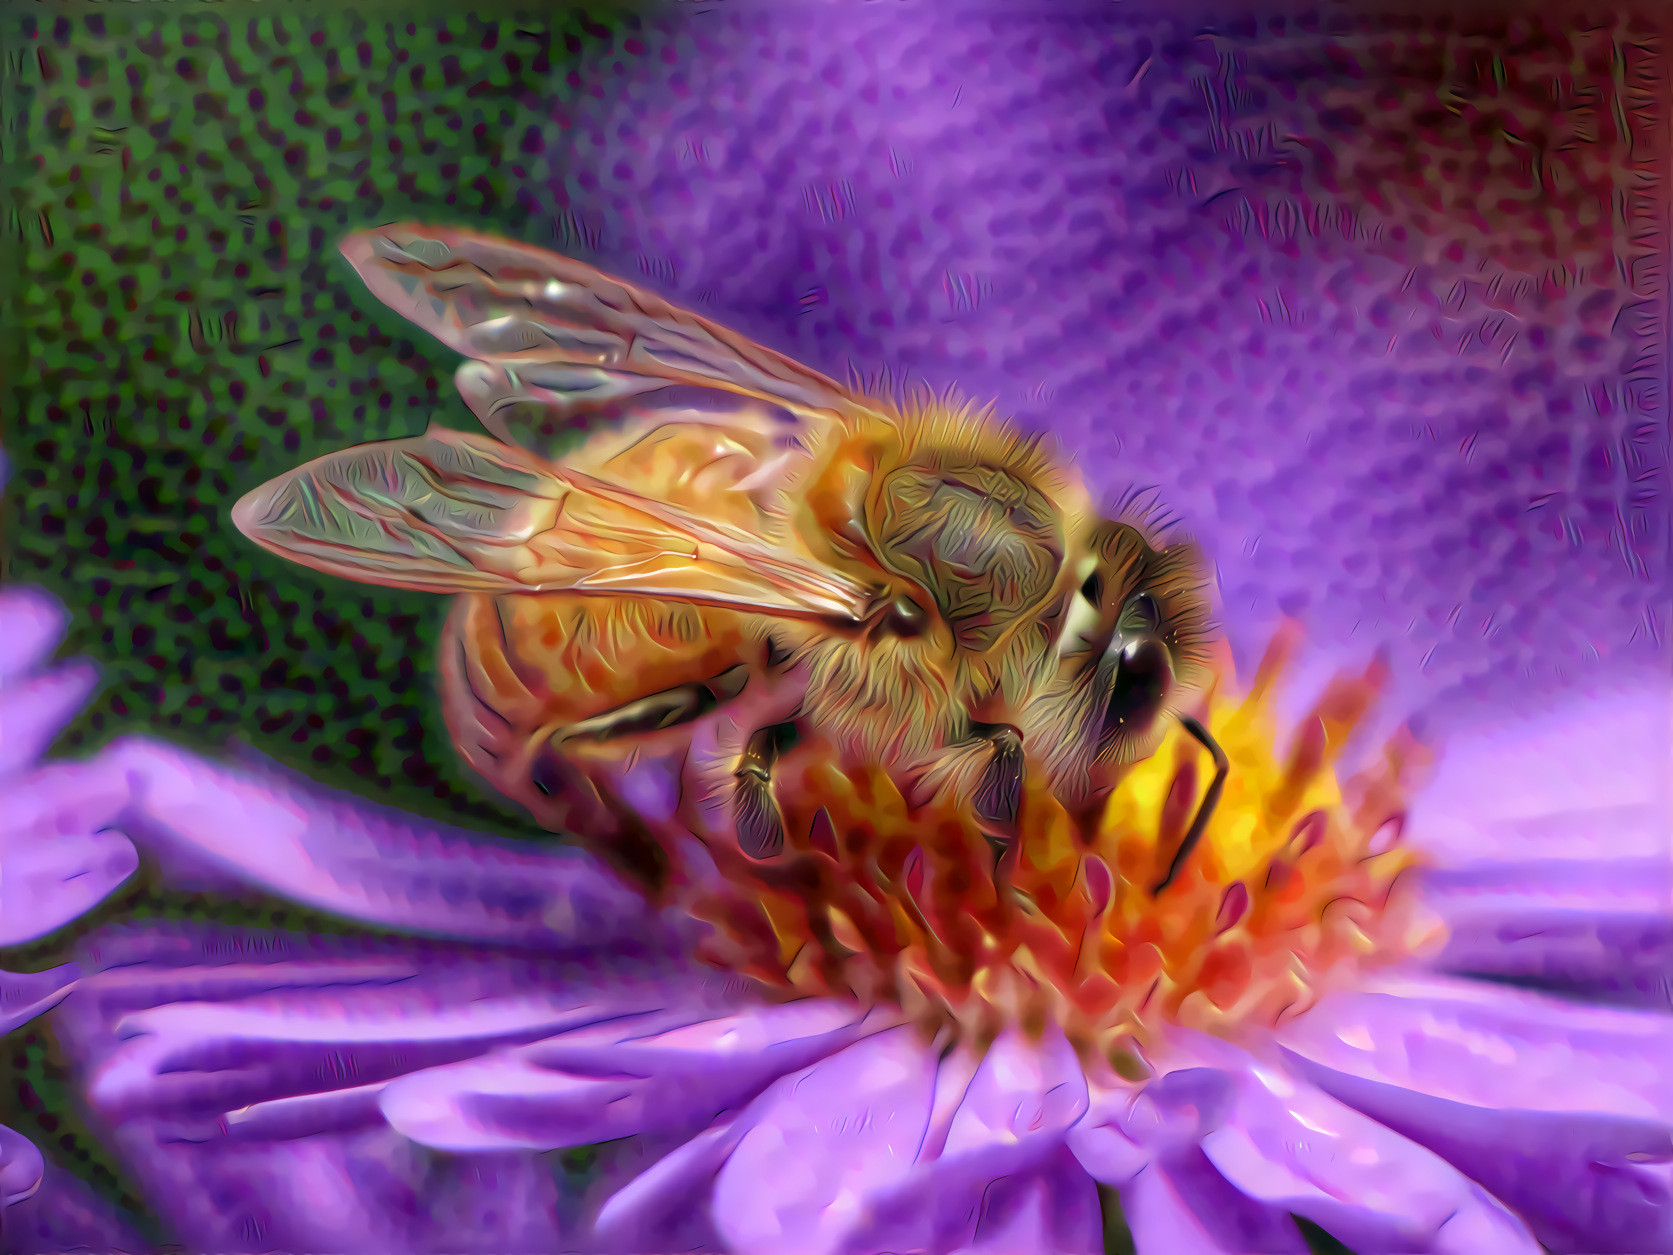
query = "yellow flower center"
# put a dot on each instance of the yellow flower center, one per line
(1295, 885)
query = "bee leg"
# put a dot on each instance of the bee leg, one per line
(998, 795)
(999, 788)
(677, 705)
(755, 811)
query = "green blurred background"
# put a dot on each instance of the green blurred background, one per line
(179, 326)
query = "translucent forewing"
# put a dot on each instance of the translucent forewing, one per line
(448, 512)
(564, 353)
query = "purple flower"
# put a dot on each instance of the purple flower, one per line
(277, 1092)
(58, 857)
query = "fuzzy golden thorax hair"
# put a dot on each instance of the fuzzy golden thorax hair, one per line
(968, 525)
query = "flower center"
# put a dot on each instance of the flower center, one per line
(1295, 885)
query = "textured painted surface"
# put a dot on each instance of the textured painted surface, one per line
(1377, 306)
(1380, 313)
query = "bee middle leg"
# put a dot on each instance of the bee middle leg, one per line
(999, 787)
(998, 794)
(755, 811)
(985, 771)
(666, 709)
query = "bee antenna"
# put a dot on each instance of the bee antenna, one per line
(1210, 800)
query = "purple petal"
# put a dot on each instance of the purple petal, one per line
(1288, 1145)
(21, 1167)
(1179, 1217)
(31, 625)
(881, 1148)
(1632, 885)
(1175, 1111)
(23, 996)
(62, 799)
(64, 1215)
(1557, 830)
(198, 1025)
(1022, 1093)
(1101, 1144)
(1238, 1222)
(369, 1191)
(676, 1186)
(1247, 1146)
(1128, 1125)
(47, 880)
(290, 1196)
(497, 1204)
(619, 1079)
(1584, 1183)
(823, 1140)
(248, 1108)
(211, 1059)
(1054, 1207)
(1599, 928)
(1559, 1111)
(1584, 781)
(269, 828)
(1482, 1223)
(34, 711)
(1491, 1046)
(306, 1115)
(1180, 1195)
(1002, 1119)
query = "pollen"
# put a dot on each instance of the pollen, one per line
(1298, 883)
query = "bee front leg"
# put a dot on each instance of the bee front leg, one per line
(755, 811)
(661, 710)
(998, 795)
(985, 773)
(999, 787)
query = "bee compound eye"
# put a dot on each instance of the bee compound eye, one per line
(1143, 675)
(905, 617)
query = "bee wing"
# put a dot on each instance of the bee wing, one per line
(448, 512)
(736, 460)
(550, 410)
(512, 305)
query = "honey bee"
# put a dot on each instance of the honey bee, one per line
(913, 582)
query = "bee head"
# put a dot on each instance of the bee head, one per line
(1132, 637)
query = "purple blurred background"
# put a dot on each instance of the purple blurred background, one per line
(1376, 304)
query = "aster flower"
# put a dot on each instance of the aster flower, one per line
(911, 1063)
(58, 858)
